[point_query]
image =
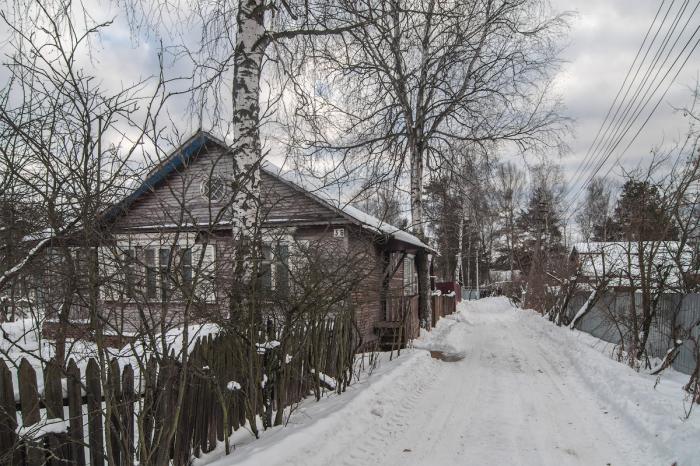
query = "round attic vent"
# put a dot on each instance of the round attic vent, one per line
(213, 188)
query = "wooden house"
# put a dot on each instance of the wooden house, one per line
(182, 214)
(666, 264)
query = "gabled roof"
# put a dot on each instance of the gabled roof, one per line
(355, 215)
(177, 159)
(181, 156)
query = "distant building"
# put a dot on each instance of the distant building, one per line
(662, 263)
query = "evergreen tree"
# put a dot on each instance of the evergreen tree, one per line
(640, 214)
(540, 227)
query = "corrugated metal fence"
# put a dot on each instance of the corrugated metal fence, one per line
(605, 321)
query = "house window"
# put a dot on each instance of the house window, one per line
(186, 268)
(164, 269)
(131, 278)
(282, 268)
(266, 268)
(213, 188)
(151, 277)
(410, 277)
(274, 267)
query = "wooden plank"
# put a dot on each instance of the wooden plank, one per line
(29, 400)
(115, 398)
(8, 416)
(93, 387)
(28, 394)
(166, 381)
(53, 402)
(53, 393)
(149, 400)
(75, 413)
(127, 414)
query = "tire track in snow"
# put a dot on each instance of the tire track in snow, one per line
(383, 431)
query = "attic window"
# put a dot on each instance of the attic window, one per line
(213, 189)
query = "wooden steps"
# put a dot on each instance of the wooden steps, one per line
(391, 335)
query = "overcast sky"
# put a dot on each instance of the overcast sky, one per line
(605, 36)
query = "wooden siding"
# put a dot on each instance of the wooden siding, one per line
(178, 200)
(285, 204)
(367, 298)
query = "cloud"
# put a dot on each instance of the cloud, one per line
(604, 39)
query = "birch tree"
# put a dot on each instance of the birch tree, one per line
(510, 188)
(420, 75)
(240, 46)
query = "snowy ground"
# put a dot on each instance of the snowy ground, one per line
(525, 393)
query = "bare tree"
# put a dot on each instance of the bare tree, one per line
(423, 74)
(510, 185)
(594, 213)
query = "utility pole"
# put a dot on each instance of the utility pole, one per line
(477, 273)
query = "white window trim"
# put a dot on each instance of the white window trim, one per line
(410, 276)
(205, 285)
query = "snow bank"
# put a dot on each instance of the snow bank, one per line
(653, 411)
(526, 389)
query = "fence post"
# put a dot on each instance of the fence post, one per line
(8, 417)
(75, 413)
(94, 401)
(29, 400)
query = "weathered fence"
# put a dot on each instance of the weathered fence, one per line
(165, 409)
(675, 313)
(442, 306)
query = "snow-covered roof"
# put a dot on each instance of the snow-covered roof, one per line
(620, 261)
(323, 196)
(503, 276)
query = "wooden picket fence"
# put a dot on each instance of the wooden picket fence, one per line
(159, 413)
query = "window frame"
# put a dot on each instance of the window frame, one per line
(410, 276)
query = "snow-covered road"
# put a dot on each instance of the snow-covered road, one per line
(525, 393)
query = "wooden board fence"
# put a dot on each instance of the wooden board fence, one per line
(442, 306)
(166, 410)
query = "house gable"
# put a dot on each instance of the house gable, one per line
(286, 204)
(172, 194)
(172, 197)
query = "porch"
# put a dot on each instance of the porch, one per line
(401, 322)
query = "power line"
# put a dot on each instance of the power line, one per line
(584, 164)
(624, 106)
(602, 149)
(639, 108)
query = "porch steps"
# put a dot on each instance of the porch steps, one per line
(389, 333)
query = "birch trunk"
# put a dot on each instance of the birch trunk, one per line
(251, 41)
(423, 257)
(247, 152)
